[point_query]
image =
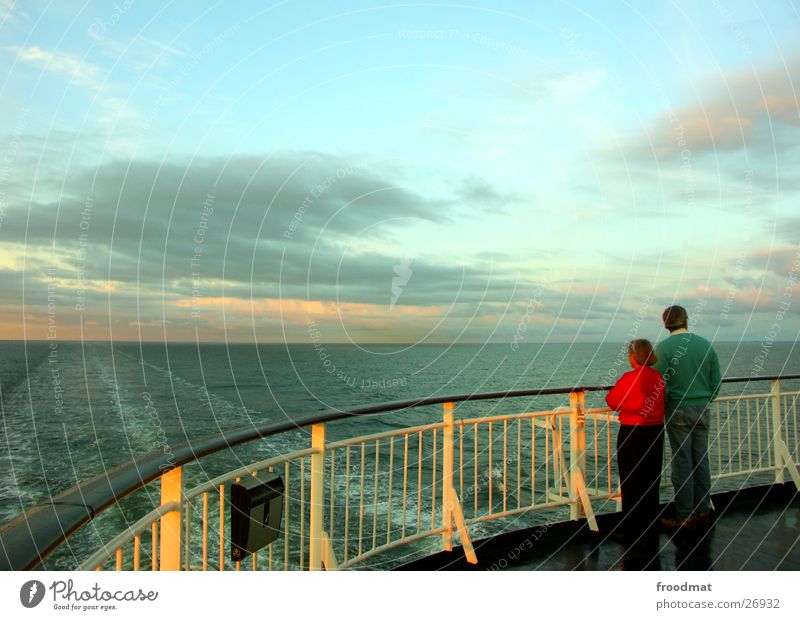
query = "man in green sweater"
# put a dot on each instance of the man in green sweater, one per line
(690, 367)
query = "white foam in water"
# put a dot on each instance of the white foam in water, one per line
(202, 413)
(19, 438)
(140, 432)
(226, 409)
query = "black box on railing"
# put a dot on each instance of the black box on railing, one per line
(256, 511)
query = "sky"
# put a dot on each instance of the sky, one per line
(360, 172)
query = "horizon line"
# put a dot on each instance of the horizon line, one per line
(305, 342)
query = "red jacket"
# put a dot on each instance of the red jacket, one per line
(639, 397)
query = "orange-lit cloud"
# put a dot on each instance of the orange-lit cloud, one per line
(294, 308)
(780, 260)
(729, 110)
(751, 298)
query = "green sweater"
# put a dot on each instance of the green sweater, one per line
(691, 370)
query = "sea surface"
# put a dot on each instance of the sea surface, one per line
(71, 410)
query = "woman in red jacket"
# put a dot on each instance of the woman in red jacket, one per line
(638, 396)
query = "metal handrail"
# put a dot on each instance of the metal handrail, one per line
(214, 483)
(252, 468)
(29, 538)
(136, 529)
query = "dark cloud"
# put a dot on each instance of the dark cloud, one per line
(477, 191)
(251, 197)
(781, 261)
(787, 228)
(288, 226)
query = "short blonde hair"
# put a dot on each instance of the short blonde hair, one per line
(642, 352)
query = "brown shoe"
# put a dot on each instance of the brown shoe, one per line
(704, 519)
(674, 523)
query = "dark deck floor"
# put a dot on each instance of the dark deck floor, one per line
(756, 529)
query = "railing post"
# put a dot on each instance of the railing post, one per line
(777, 427)
(170, 547)
(447, 478)
(317, 496)
(557, 451)
(577, 449)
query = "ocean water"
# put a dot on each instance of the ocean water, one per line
(71, 410)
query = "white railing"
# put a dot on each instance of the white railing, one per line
(348, 502)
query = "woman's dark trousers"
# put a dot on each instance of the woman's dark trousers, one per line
(640, 453)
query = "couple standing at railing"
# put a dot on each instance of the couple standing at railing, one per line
(670, 387)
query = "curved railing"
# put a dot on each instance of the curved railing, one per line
(351, 500)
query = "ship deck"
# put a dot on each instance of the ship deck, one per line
(755, 529)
